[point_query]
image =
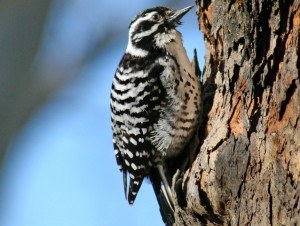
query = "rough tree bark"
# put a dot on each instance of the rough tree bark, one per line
(247, 170)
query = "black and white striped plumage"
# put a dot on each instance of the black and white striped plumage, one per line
(155, 96)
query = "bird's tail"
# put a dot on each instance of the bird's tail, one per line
(165, 207)
(134, 187)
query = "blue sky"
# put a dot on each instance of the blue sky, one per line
(61, 169)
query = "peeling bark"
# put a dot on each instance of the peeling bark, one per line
(247, 169)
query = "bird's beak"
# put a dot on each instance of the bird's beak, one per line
(178, 14)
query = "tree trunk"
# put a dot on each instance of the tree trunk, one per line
(247, 170)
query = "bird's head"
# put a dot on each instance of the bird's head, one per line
(153, 29)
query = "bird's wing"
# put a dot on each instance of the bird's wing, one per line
(134, 100)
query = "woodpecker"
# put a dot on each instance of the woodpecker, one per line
(155, 98)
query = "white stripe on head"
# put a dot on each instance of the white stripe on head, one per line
(134, 25)
(139, 36)
(131, 49)
(135, 51)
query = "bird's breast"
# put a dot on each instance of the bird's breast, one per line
(180, 113)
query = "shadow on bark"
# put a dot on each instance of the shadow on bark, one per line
(246, 167)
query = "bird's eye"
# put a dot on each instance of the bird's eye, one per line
(156, 17)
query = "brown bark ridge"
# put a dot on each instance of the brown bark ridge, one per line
(247, 169)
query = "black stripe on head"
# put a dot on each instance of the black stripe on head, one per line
(147, 42)
(144, 26)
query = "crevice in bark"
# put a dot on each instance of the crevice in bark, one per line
(235, 76)
(263, 32)
(290, 176)
(216, 147)
(298, 55)
(254, 118)
(180, 193)
(249, 6)
(270, 203)
(284, 7)
(240, 41)
(289, 93)
(231, 3)
(204, 201)
(205, 4)
(201, 218)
